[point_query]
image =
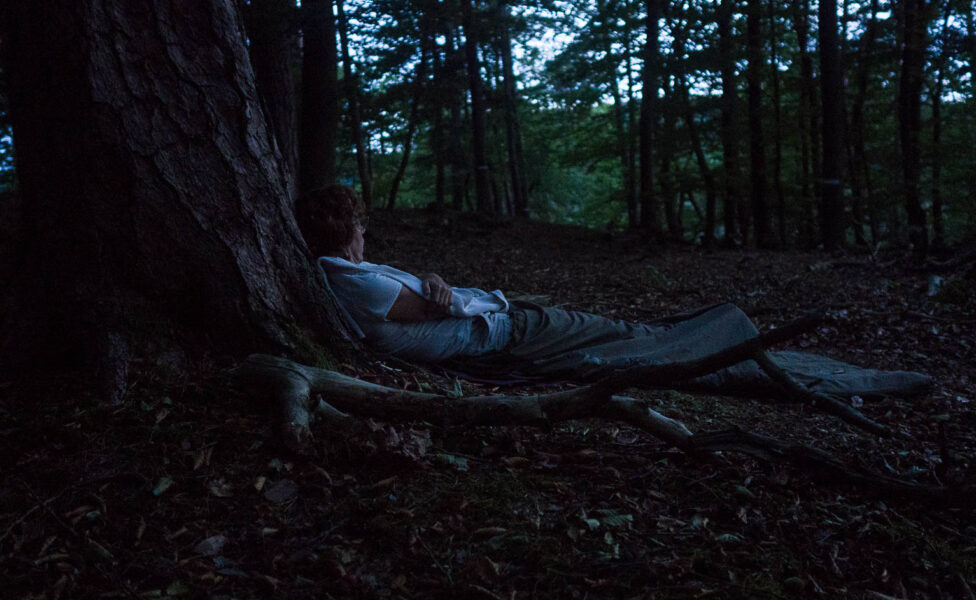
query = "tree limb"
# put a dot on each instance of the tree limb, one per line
(817, 400)
(294, 385)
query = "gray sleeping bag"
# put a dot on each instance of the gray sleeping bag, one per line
(555, 344)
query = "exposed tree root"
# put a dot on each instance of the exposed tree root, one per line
(307, 393)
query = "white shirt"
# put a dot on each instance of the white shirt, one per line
(478, 323)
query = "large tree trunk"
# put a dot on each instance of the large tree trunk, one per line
(350, 78)
(273, 34)
(913, 15)
(650, 221)
(482, 176)
(757, 151)
(320, 96)
(832, 99)
(156, 213)
(730, 97)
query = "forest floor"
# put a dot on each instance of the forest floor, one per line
(185, 490)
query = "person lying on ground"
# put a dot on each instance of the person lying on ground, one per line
(482, 334)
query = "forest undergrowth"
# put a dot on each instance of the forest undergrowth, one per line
(185, 490)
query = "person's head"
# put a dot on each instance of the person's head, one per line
(332, 220)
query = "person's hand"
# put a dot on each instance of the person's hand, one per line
(435, 290)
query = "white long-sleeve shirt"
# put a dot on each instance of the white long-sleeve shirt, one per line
(477, 324)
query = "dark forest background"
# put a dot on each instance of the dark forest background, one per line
(774, 124)
(150, 157)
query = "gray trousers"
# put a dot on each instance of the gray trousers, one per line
(554, 344)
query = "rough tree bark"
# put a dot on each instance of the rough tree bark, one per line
(157, 220)
(320, 96)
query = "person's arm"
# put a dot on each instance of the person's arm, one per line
(410, 306)
(436, 290)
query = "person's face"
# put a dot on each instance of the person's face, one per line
(355, 250)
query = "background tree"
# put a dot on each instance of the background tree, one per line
(914, 17)
(650, 221)
(832, 94)
(272, 29)
(757, 149)
(730, 97)
(320, 95)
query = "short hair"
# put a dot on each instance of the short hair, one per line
(326, 217)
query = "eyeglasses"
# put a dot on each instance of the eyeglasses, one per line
(362, 223)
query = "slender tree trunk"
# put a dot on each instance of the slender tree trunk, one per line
(757, 150)
(513, 132)
(437, 142)
(320, 96)
(482, 176)
(666, 154)
(273, 34)
(914, 18)
(971, 36)
(832, 95)
(860, 174)
(938, 222)
(158, 223)
(630, 181)
(459, 165)
(777, 126)
(730, 152)
(623, 152)
(807, 121)
(857, 194)
(351, 80)
(683, 100)
(620, 120)
(411, 130)
(650, 221)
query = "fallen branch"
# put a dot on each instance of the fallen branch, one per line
(811, 459)
(817, 400)
(294, 385)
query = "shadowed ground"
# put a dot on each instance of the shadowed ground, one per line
(186, 491)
